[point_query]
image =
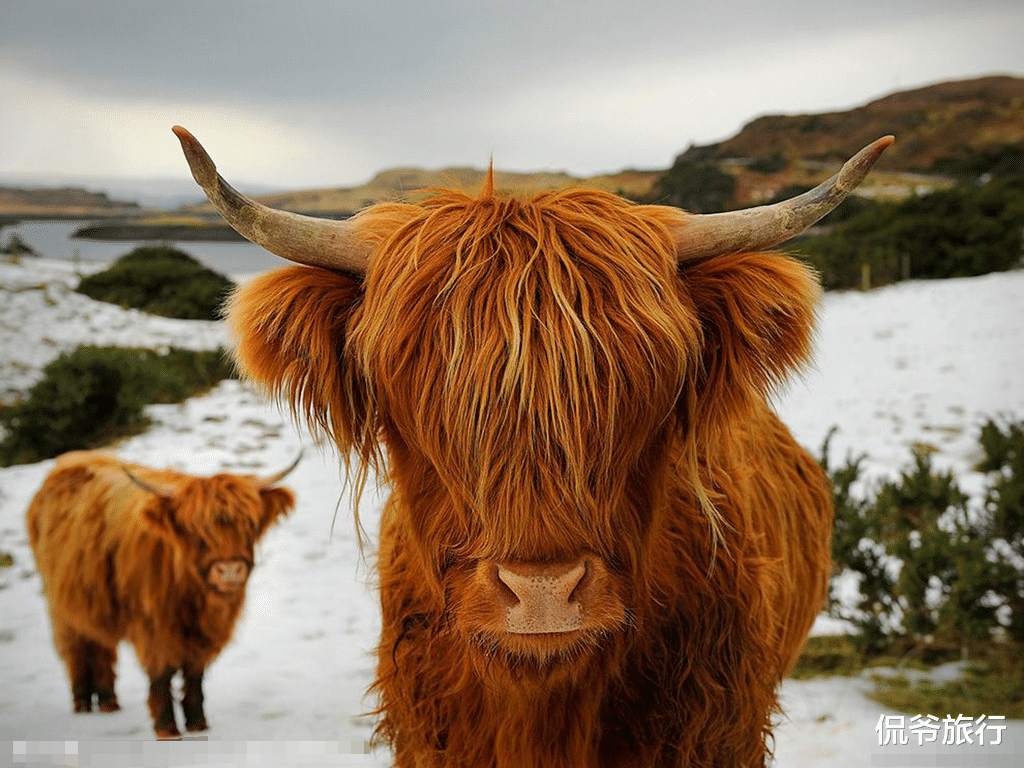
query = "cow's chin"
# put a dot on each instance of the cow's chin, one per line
(226, 590)
(538, 654)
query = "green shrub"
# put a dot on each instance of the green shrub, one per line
(694, 187)
(959, 232)
(1004, 459)
(767, 164)
(1002, 160)
(96, 394)
(162, 281)
(931, 569)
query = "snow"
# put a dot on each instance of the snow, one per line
(41, 316)
(921, 362)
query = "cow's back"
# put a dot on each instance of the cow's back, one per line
(84, 513)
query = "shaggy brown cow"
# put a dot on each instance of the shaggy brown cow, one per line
(155, 556)
(601, 547)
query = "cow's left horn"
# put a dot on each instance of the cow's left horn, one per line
(272, 480)
(303, 239)
(753, 229)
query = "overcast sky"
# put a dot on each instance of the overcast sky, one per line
(293, 93)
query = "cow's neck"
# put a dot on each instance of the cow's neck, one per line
(534, 725)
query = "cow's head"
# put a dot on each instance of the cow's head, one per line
(535, 370)
(215, 522)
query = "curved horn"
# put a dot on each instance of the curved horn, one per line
(303, 239)
(158, 489)
(754, 229)
(272, 480)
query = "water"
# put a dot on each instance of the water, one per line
(52, 239)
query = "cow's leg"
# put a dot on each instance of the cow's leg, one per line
(161, 705)
(103, 661)
(192, 698)
(76, 651)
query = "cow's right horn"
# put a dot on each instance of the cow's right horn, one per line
(277, 477)
(751, 229)
(303, 239)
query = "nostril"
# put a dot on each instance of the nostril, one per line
(504, 588)
(554, 581)
(578, 588)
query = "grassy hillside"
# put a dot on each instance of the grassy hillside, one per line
(932, 124)
(17, 202)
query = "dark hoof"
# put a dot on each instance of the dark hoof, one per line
(199, 725)
(167, 734)
(107, 701)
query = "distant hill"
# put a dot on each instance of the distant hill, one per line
(414, 183)
(72, 202)
(931, 124)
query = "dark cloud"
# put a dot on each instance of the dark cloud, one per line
(394, 50)
(447, 81)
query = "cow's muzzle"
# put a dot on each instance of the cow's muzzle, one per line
(550, 598)
(228, 576)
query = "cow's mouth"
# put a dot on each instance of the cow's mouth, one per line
(227, 589)
(540, 650)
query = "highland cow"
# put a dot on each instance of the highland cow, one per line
(157, 557)
(602, 547)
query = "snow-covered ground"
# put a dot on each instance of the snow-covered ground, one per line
(919, 362)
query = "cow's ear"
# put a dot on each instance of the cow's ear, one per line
(158, 512)
(289, 329)
(159, 516)
(276, 503)
(757, 313)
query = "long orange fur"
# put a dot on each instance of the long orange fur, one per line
(539, 379)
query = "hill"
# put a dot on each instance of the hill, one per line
(72, 202)
(412, 184)
(933, 125)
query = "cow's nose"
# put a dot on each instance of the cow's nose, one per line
(229, 573)
(543, 597)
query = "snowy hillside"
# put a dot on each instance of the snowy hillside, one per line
(920, 362)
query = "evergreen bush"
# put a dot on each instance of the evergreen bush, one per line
(960, 232)
(932, 570)
(162, 281)
(768, 164)
(694, 187)
(96, 394)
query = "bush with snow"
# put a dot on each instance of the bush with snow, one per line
(162, 281)
(930, 567)
(95, 394)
